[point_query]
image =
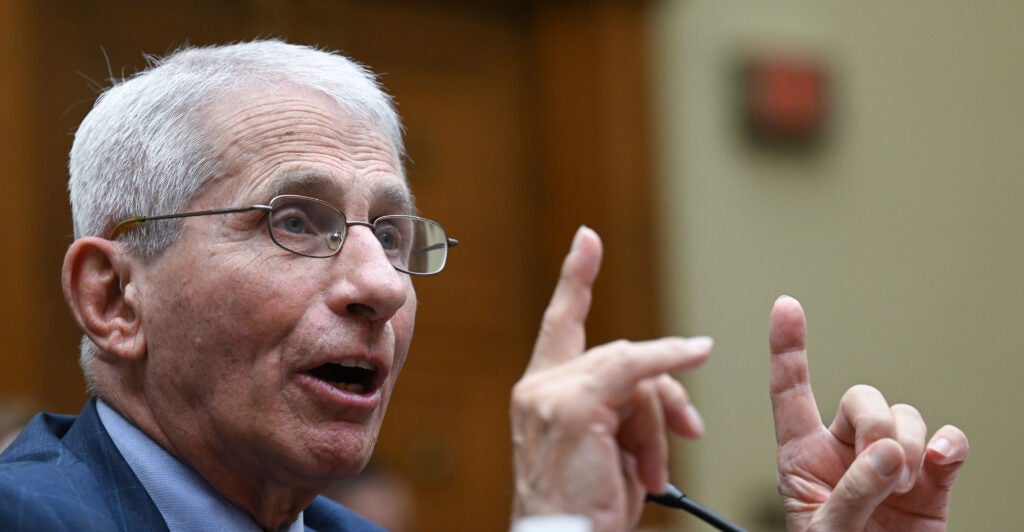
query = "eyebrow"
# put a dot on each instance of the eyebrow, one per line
(305, 183)
(400, 198)
(397, 198)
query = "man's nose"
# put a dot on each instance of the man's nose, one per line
(366, 284)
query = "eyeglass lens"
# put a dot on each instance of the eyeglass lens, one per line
(314, 228)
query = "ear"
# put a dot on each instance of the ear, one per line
(97, 287)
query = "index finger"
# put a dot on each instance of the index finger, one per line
(795, 411)
(562, 333)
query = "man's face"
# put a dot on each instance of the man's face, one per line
(247, 342)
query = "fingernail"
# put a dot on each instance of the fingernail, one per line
(702, 343)
(942, 446)
(695, 419)
(783, 297)
(576, 239)
(905, 482)
(883, 461)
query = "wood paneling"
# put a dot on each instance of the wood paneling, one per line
(596, 154)
(18, 282)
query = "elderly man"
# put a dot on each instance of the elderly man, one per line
(241, 270)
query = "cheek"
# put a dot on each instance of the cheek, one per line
(404, 323)
(217, 320)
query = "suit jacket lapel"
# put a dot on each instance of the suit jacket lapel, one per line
(130, 504)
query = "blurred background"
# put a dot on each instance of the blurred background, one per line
(863, 157)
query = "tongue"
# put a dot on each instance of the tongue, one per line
(353, 387)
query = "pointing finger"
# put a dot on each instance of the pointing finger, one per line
(620, 366)
(562, 333)
(796, 413)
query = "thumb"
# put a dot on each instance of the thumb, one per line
(868, 481)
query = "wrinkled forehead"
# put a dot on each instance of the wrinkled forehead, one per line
(394, 197)
(288, 140)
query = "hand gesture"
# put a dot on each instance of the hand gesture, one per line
(589, 428)
(871, 469)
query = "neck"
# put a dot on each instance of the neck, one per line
(257, 492)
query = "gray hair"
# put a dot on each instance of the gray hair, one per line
(144, 149)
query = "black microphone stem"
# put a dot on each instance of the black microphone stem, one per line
(674, 498)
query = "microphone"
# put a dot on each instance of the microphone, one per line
(674, 498)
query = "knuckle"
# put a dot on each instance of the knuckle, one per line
(906, 410)
(674, 389)
(550, 401)
(527, 392)
(553, 314)
(619, 345)
(874, 425)
(862, 390)
(614, 352)
(518, 391)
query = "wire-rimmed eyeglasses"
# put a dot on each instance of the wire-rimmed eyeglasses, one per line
(314, 228)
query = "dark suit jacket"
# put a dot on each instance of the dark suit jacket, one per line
(65, 473)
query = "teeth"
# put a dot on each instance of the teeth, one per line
(352, 363)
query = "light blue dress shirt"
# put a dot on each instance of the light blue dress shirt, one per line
(185, 499)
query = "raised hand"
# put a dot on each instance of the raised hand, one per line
(872, 468)
(589, 427)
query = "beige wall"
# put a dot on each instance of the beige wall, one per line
(903, 236)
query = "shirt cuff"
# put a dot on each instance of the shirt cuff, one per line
(552, 523)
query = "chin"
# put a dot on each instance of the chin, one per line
(342, 455)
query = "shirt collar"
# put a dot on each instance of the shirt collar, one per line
(185, 499)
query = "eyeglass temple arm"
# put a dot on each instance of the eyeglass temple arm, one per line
(451, 242)
(128, 222)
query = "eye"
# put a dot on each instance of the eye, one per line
(389, 236)
(293, 218)
(293, 224)
(299, 215)
(306, 226)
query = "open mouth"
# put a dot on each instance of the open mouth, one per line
(354, 376)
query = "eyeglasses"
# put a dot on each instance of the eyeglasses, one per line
(314, 228)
